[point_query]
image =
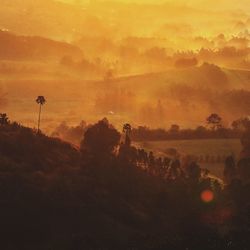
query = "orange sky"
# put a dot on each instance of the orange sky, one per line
(210, 4)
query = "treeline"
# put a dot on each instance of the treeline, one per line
(143, 133)
(214, 130)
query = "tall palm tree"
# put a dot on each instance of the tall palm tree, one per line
(127, 130)
(41, 101)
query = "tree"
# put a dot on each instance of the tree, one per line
(193, 172)
(241, 124)
(100, 139)
(214, 121)
(127, 130)
(245, 142)
(229, 170)
(41, 101)
(4, 119)
(174, 128)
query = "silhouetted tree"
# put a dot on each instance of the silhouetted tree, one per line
(193, 172)
(214, 121)
(229, 170)
(174, 128)
(174, 170)
(245, 142)
(151, 160)
(244, 163)
(73, 134)
(41, 101)
(100, 139)
(4, 119)
(244, 170)
(127, 130)
(241, 124)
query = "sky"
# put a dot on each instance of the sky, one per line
(211, 4)
(221, 6)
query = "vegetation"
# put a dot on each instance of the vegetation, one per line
(143, 133)
(41, 101)
(74, 134)
(214, 130)
(113, 196)
(214, 120)
(4, 119)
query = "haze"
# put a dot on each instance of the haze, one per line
(130, 61)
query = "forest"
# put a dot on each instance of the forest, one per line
(107, 194)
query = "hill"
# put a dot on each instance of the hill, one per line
(14, 47)
(50, 197)
(206, 76)
(54, 196)
(183, 96)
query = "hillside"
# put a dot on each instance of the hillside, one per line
(206, 76)
(51, 197)
(36, 57)
(186, 96)
(56, 197)
(183, 96)
(14, 47)
(21, 146)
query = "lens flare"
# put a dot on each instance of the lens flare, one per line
(207, 196)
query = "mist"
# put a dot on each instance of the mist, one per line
(166, 63)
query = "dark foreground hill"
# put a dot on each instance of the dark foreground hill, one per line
(54, 196)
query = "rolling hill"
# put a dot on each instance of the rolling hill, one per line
(184, 96)
(14, 47)
(52, 197)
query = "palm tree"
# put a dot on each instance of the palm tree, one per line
(127, 130)
(4, 119)
(41, 101)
